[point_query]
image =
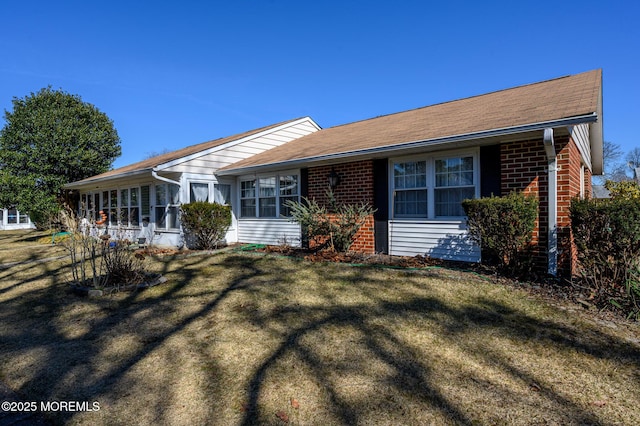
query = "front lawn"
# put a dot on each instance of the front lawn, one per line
(248, 338)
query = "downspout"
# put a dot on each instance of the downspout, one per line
(164, 179)
(552, 237)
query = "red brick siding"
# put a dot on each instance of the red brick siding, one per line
(524, 168)
(569, 164)
(355, 187)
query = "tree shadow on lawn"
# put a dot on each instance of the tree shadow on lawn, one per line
(380, 351)
(7, 272)
(410, 390)
(80, 355)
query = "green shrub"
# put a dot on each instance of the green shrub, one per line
(502, 226)
(628, 189)
(607, 236)
(335, 227)
(206, 222)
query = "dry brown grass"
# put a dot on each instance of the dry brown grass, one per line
(26, 246)
(235, 338)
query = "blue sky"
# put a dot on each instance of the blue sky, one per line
(172, 74)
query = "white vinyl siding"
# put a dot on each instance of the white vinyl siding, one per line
(221, 156)
(269, 231)
(580, 135)
(437, 238)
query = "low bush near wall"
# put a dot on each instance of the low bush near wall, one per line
(607, 235)
(333, 227)
(206, 222)
(502, 227)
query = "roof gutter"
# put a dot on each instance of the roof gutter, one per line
(565, 122)
(155, 174)
(83, 183)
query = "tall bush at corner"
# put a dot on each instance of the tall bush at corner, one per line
(206, 222)
(502, 226)
(607, 235)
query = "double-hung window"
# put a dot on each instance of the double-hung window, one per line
(129, 207)
(222, 193)
(410, 189)
(113, 207)
(199, 192)
(167, 204)
(12, 216)
(105, 205)
(267, 196)
(248, 198)
(454, 183)
(433, 186)
(288, 192)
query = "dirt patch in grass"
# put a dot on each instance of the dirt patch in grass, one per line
(254, 338)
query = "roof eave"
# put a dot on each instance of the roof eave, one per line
(596, 140)
(90, 182)
(564, 122)
(180, 160)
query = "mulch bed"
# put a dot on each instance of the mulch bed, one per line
(366, 259)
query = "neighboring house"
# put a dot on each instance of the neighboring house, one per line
(142, 200)
(14, 219)
(415, 167)
(600, 192)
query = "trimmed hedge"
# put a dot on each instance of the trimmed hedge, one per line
(206, 222)
(502, 227)
(607, 236)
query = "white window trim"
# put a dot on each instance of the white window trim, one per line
(430, 159)
(154, 205)
(209, 189)
(582, 183)
(100, 206)
(257, 178)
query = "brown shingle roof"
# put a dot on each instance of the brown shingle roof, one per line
(565, 97)
(158, 160)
